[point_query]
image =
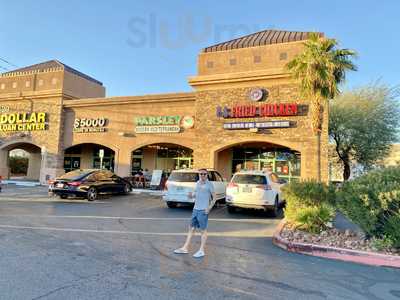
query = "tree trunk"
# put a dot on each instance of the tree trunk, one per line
(316, 123)
(346, 170)
(319, 156)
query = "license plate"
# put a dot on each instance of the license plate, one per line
(60, 185)
(247, 189)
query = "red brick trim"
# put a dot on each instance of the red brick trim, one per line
(356, 256)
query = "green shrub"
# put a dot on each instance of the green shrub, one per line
(308, 205)
(314, 218)
(392, 229)
(373, 202)
(384, 243)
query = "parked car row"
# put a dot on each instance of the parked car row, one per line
(247, 189)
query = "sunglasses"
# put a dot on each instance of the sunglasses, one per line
(203, 174)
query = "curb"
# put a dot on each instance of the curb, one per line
(355, 256)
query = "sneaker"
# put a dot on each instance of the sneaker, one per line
(181, 251)
(199, 254)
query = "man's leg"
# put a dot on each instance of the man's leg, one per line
(200, 253)
(185, 248)
(188, 238)
(203, 240)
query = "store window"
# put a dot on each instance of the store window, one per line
(165, 157)
(285, 163)
(107, 162)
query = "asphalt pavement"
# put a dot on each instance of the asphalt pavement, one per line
(121, 247)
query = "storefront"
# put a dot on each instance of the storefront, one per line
(245, 112)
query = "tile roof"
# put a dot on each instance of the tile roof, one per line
(53, 64)
(261, 38)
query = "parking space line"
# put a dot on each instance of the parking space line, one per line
(266, 221)
(240, 234)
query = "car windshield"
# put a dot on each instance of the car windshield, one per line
(184, 177)
(75, 175)
(249, 179)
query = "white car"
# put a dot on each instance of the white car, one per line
(256, 190)
(181, 183)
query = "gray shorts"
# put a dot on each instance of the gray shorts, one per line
(199, 219)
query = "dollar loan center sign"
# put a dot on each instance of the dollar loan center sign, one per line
(11, 122)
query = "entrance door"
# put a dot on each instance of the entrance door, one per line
(72, 163)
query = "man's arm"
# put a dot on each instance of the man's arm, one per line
(212, 196)
(193, 194)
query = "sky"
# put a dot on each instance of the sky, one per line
(148, 47)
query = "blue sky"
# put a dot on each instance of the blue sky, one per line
(144, 47)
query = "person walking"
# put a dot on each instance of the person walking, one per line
(203, 194)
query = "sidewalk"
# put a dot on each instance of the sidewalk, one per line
(21, 182)
(147, 191)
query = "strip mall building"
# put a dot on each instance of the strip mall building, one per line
(244, 112)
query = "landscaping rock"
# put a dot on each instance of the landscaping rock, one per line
(334, 237)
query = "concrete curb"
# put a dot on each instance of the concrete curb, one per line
(355, 256)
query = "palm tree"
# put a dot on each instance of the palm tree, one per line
(319, 70)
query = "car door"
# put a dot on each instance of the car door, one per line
(218, 185)
(275, 184)
(118, 184)
(103, 182)
(110, 184)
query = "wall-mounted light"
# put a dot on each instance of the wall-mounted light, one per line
(126, 134)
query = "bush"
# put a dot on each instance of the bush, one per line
(314, 218)
(383, 243)
(309, 205)
(373, 202)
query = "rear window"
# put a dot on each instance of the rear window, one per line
(249, 179)
(74, 175)
(184, 177)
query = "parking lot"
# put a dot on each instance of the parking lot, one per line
(122, 248)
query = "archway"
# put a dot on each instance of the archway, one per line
(161, 156)
(282, 160)
(89, 156)
(21, 161)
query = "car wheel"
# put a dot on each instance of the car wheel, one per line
(231, 209)
(63, 196)
(275, 210)
(221, 201)
(127, 189)
(92, 194)
(172, 204)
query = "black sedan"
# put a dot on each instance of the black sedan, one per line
(89, 184)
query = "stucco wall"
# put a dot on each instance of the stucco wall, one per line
(211, 137)
(120, 134)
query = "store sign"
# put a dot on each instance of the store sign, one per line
(257, 125)
(86, 125)
(254, 111)
(4, 109)
(163, 124)
(12, 122)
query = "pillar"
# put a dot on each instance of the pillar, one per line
(34, 165)
(4, 170)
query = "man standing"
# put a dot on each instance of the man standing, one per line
(203, 194)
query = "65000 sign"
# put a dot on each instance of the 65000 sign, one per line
(90, 125)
